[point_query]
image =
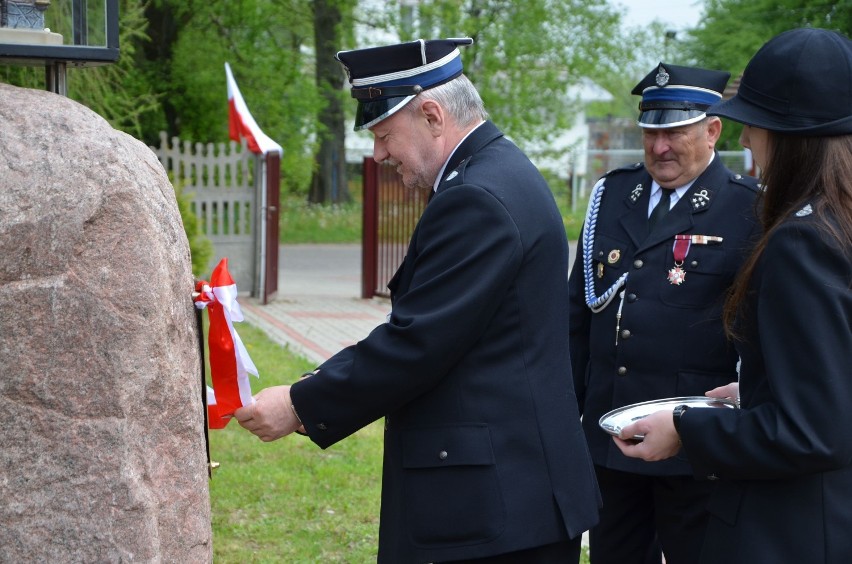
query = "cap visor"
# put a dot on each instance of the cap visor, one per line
(658, 119)
(371, 113)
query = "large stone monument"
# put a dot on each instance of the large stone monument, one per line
(102, 455)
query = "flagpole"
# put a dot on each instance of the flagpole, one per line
(200, 325)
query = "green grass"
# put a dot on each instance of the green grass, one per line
(302, 222)
(288, 501)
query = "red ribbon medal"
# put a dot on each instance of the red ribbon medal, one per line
(680, 249)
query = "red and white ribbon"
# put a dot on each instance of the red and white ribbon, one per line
(230, 363)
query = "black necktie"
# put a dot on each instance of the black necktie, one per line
(661, 209)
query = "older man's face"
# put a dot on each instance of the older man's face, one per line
(676, 155)
(405, 141)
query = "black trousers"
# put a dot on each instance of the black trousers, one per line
(643, 516)
(566, 552)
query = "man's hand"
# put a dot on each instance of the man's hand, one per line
(661, 440)
(271, 416)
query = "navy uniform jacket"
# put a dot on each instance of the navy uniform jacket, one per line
(784, 461)
(483, 451)
(670, 341)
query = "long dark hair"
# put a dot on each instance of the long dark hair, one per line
(801, 170)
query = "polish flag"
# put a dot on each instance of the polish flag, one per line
(230, 363)
(241, 124)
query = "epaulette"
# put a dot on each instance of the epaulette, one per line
(749, 182)
(627, 168)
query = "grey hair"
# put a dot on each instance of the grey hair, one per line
(459, 98)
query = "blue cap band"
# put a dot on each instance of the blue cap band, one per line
(678, 95)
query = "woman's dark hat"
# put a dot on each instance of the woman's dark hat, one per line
(384, 79)
(799, 82)
(674, 96)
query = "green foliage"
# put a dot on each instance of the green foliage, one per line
(647, 46)
(265, 43)
(117, 92)
(732, 31)
(525, 54)
(200, 247)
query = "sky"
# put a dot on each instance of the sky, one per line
(680, 14)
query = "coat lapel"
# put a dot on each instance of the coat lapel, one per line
(634, 219)
(698, 199)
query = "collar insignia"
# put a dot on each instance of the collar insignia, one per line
(700, 199)
(634, 195)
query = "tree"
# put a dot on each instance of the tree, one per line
(525, 55)
(268, 44)
(329, 182)
(732, 31)
(118, 92)
(648, 46)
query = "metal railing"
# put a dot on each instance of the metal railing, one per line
(390, 213)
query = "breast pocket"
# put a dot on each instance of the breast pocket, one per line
(709, 272)
(451, 488)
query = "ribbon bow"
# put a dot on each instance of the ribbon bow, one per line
(230, 363)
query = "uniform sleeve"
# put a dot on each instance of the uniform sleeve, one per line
(468, 255)
(797, 416)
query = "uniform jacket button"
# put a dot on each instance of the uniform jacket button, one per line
(625, 334)
(622, 370)
(631, 298)
(322, 426)
(442, 455)
(638, 263)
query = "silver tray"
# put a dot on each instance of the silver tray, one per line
(617, 419)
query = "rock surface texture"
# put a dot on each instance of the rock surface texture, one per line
(102, 455)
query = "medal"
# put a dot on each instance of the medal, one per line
(677, 275)
(680, 249)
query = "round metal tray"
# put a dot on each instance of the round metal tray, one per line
(617, 419)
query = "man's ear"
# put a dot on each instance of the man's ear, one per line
(435, 117)
(714, 130)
